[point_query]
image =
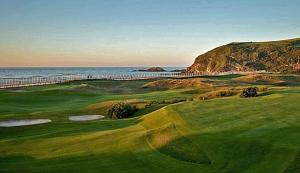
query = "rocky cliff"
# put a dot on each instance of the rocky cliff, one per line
(275, 56)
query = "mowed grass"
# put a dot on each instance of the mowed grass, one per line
(59, 101)
(225, 135)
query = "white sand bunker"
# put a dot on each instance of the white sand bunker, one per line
(15, 123)
(85, 117)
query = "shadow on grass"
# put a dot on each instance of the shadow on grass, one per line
(233, 152)
(167, 140)
(294, 167)
(148, 110)
(265, 93)
(228, 152)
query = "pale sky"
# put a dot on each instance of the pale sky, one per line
(135, 32)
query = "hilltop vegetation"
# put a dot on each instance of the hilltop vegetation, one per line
(275, 56)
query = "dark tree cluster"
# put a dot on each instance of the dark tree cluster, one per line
(249, 92)
(121, 110)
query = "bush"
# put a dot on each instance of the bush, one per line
(121, 110)
(249, 92)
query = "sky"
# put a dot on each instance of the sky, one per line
(115, 33)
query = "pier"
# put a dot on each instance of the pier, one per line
(39, 80)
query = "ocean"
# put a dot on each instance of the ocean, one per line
(11, 73)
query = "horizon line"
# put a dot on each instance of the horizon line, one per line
(88, 66)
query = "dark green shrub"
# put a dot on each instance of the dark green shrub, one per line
(249, 92)
(121, 110)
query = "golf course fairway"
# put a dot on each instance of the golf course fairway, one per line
(221, 135)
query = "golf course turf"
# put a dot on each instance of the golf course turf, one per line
(176, 133)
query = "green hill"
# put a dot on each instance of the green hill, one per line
(274, 56)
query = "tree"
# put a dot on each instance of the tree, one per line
(249, 92)
(121, 110)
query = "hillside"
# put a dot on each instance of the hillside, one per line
(275, 56)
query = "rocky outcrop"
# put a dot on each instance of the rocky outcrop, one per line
(276, 56)
(153, 69)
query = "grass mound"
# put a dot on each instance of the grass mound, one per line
(226, 92)
(168, 141)
(269, 79)
(179, 83)
(103, 107)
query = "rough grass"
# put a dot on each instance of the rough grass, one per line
(223, 77)
(225, 92)
(178, 83)
(273, 79)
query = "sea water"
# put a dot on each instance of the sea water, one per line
(67, 71)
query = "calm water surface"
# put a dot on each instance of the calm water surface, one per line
(66, 71)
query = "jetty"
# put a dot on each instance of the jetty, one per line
(39, 80)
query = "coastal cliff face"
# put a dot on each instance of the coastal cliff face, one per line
(276, 56)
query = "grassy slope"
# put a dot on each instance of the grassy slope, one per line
(220, 135)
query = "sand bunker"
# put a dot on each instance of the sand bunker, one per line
(85, 117)
(15, 123)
